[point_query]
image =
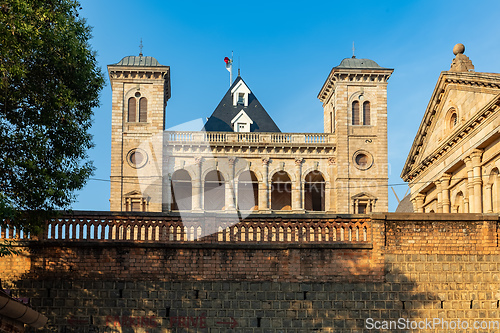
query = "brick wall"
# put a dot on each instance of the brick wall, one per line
(415, 267)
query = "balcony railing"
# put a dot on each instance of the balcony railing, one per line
(254, 137)
(108, 227)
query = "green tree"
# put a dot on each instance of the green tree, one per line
(49, 84)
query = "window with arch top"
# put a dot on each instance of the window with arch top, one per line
(137, 109)
(143, 110)
(355, 113)
(451, 119)
(361, 112)
(131, 109)
(366, 113)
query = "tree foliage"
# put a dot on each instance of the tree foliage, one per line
(49, 84)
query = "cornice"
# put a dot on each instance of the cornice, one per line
(470, 79)
(453, 140)
(233, 148)
(352, 76)
(126, 73)
(151, 74)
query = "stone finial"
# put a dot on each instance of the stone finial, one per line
(461, 63)
(459, 48)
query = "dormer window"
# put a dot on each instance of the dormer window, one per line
(242, 122)
(240, 94)
(241, 98)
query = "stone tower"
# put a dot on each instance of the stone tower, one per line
(140, 91)
(355, 109)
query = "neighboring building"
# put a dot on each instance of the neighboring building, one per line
(241, 160)
(453, 164)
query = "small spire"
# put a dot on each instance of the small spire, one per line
(353, 49)
(238, 72)
(140, 48)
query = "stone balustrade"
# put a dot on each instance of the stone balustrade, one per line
(211, 228)
(253, 137)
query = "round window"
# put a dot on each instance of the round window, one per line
(137, 158)
(362, 159)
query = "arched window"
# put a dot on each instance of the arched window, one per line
(459, 202)
(314, 191)
(355, 113)
(181, 190)
(248, 191)
(143, 110)
(366, 113)
(214, 191)
(131, 110)
(494, 190)
(451, 120)
(281, 191)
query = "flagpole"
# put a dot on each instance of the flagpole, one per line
(231, 71)
(229, 67)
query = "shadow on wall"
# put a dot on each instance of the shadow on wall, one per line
(78, 306)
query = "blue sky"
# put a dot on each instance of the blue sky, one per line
(286, 50)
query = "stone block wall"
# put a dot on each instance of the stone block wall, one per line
(437, 271)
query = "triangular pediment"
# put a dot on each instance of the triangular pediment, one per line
(240, 93)
(363, 195)
(457, 99)
(133, 194)
(242, 117)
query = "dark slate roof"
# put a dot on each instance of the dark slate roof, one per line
(140, 61)
(220, 120)
(405, 205)
(355, 63)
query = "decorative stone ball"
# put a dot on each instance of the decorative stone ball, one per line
(459, 48)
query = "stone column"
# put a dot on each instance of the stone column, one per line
(419, 201)
(263, 186)
(475, 156)
(230, 186)
(445, 192)
(470, 186)
(296, 187)
(168, 193)
(439, 190)
(330, 194)
(196, 185)
(487, 198)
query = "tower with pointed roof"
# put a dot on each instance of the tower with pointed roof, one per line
(354, 99)
(240, 111)
(140, 90)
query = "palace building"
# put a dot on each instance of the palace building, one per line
(453, 165)
(240, 160)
